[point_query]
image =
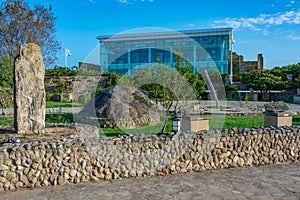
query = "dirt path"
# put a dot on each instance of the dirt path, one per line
(265, 182)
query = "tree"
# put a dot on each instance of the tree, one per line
(283, 71)
(112, 79)
(6, 82)
(230, 90)
(195, 80)
(20, 24)
(265, 81)
(60, 71)
(164, 83)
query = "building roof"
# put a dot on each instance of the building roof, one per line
(166, 34)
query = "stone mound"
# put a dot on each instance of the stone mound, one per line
(121, 106)
(278, 106)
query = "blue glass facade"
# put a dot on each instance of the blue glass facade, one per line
(201, 48)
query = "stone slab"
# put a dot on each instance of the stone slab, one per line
(272, 120)
(30, 101)
(195, 123)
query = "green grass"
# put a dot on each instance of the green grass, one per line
(50, 118)
(296, 120)
(60, 118)
(228, 122)
(145, 130)
(55, 104)
(216, 122)
(231, 99)
(6, 120)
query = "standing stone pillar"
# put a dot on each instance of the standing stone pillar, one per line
(30, 101)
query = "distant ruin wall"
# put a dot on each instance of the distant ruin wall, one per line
(83, 85)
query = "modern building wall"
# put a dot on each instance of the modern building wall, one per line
(201, 48)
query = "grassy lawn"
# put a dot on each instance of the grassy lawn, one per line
(296, 120)
(146, 130)
(60, 118)
(6, 120)
(54, 104)
(216, 122)
(50, 118)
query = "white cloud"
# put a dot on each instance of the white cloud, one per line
(133, 1)
(122, 1)
(92, 1)
(290, 34)
(290, 4)
(292, 37)
(262, 21)
(190, 25)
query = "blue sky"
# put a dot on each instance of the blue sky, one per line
(270, 27)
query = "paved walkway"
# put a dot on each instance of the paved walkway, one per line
(48, 110)
(243, 107)
(234, 106)
(265, 182)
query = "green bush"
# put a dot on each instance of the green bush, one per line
(84, 99)
(48, 96)
(98, 91)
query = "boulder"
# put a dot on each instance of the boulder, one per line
(30, 102)
(278, 106)
(121, 106)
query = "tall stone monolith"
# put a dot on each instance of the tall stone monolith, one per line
(30, 101)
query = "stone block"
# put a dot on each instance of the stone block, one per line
(194, 123)
(278, 119)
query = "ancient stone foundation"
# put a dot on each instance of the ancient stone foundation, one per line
(85, 157)
(29, 108)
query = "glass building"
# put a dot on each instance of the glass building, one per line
(200, 48)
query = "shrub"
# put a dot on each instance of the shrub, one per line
(48, 96)
(98, 91)
(84, 99)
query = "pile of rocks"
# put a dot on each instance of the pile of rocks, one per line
(120, 107)
(278, 106)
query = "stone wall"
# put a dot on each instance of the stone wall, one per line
(89, 66)
(286, 95)
(74, 85)
(83, 157)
